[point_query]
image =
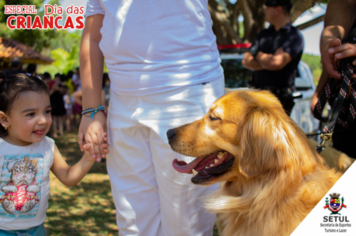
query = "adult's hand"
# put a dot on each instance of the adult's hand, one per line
(92, 132)
(328, 60)
(344, 51)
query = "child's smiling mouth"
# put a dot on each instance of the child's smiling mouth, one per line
(39, 131)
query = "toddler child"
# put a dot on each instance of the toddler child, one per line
(27, 155)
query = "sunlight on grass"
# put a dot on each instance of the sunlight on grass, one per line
(84, 209)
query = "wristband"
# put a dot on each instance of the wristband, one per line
(94, 110)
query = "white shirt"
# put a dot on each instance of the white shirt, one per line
(14, 158)
(152, 46)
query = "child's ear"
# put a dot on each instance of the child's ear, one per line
(4, 120)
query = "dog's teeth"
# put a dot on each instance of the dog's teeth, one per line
(206, 167)
(211, 165)
(216, 161)
(195, 172)
(221, 154)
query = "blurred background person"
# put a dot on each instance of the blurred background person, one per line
(47, 78)
(68, 105)
(56, 80)
(69, 82)
(58, 109)
(76, 79)
(16, 67)
(31, 69)
(106, 90)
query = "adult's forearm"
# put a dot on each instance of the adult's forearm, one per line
(339, 18)
(270, 61)
(91, 63)
(250, 63)
(91, 68)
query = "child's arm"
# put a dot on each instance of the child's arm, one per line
(70, 176)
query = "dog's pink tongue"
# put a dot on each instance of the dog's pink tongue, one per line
(183, 167)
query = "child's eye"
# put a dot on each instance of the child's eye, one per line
(48, 111)
(30, 114)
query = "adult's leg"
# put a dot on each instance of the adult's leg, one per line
(182, 211)
(67, 121)
(131, 170)
(60, 124)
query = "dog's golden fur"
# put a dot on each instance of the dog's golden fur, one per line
(277, 177)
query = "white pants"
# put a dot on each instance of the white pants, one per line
(151, 198)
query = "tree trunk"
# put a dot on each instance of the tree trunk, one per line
(225, 15)
(224, 32)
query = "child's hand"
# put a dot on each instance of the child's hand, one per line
(105, 147)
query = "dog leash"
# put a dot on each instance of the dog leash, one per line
(342, 112)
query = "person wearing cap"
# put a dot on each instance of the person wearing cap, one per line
(275, 54)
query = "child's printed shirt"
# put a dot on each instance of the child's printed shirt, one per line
(24, 183)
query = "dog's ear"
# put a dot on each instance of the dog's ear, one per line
(263, 143)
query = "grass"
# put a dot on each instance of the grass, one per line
(85, 209)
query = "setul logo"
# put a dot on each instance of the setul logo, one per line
(335, 205)
(335, 222)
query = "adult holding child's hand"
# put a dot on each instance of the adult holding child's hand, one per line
(165, 72)
(92, 126)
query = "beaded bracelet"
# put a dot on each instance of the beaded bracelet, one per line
(94, 110)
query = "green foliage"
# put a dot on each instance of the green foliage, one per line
(314, 63)
(64, 61)
(66, 40)
(64, 51)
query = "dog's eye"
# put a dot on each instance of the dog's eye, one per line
(213, 118)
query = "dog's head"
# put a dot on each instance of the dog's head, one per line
(245, 133)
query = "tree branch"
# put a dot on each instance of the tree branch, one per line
(300, 6)
(221, 19)
(311, 22)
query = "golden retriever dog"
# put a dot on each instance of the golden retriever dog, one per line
(273, 175)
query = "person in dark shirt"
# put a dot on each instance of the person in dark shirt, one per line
(16, 67)
(275, 54)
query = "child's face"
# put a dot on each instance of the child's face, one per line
(29, 118)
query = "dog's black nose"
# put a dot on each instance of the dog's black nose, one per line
(171, 134)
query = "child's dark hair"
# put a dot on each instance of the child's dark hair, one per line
(15, 85)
